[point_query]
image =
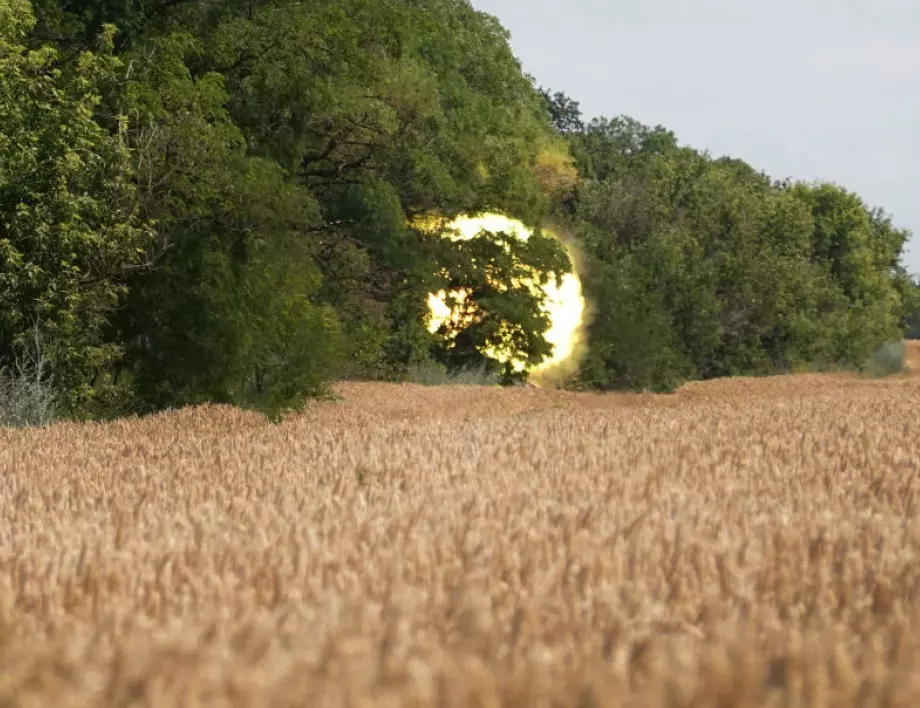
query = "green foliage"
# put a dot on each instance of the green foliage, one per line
(913, 326)
(217, 202)
(227, 310)
(68, 232)
(565, 114)
(356, 116)
(702, 268)
(632, 342)
(610, 148)
(910, 295)
(502, 310)
(384, 111)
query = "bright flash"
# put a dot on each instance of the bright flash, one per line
(564, 303)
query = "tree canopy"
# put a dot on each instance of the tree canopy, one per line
(222, 202)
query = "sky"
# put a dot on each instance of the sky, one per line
(808, 89)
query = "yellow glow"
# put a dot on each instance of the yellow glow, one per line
(564, 303)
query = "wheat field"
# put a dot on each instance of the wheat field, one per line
(745, 542)
(912, 354)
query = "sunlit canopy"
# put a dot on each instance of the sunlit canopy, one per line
(563, 303)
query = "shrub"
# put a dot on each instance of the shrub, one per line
(432, 373)
(887, 359)
(26, 395)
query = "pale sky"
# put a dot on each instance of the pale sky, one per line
(809, 89)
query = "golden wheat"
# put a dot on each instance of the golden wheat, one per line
(912, 354)
(748, 542)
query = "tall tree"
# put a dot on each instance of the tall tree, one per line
(564, 113)
(228, 308)
(69, 236)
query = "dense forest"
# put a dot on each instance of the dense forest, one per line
(224, 201)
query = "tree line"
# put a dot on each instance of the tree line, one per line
(706, 267)
(225, 202)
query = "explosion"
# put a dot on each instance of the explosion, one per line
(563, 301)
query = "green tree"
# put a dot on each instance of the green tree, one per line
(859, 251)
(737, 274)
(613, 147)
(911, 288)
(227, 308)
(69, 236)
(565, 114)
(633, 344)
(371, 113)
(501, 278)
(282, 154)
(384, 111)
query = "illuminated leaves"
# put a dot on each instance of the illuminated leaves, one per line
(493, 302)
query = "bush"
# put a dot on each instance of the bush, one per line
(887, 360)
(432, 373)
(26, 395)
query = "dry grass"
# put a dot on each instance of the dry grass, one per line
(748, 542)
